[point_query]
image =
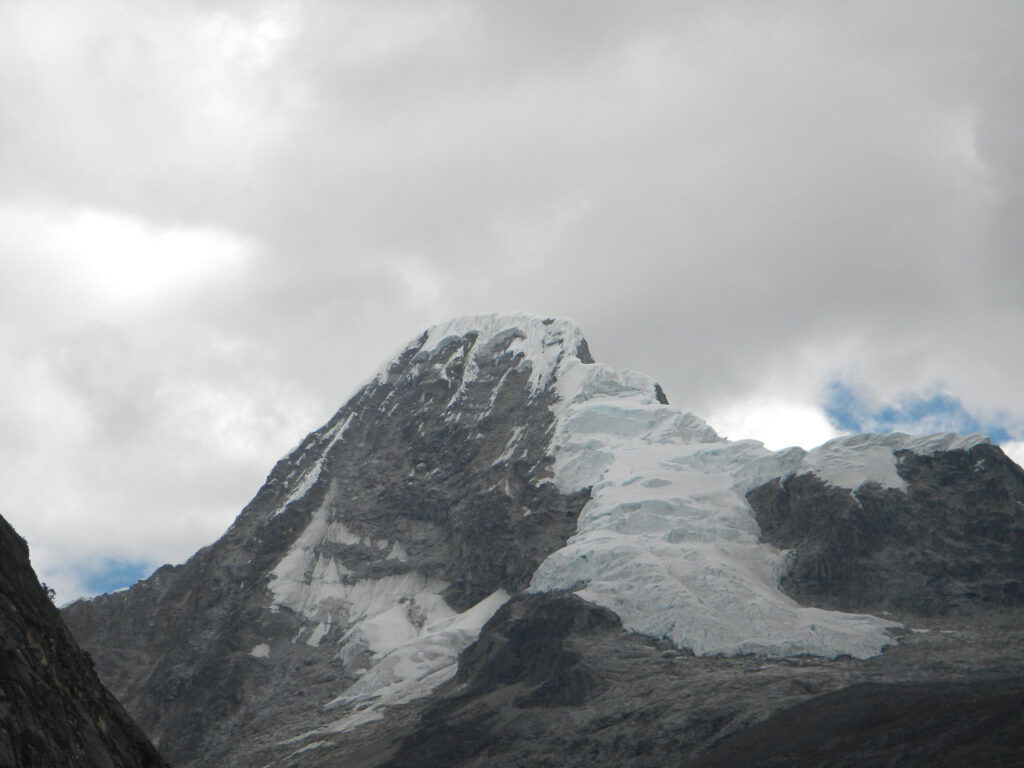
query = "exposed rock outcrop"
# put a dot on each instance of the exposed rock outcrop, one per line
(952, 539)
(53, 709)
(917, 725)
(555, 682)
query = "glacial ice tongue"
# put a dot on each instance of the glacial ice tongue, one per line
(667, 540)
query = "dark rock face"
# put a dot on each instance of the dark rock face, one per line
(526, 650)
(53, 709)
(958, 725)
(939, 698)
(525, 643)
(954, 539)
(429, 472)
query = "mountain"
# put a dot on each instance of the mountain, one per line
(499, 552)
(53, 708)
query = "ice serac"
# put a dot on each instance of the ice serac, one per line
(668, 540)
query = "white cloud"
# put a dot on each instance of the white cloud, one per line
(110, 258)
(776, 423)
(227, 214)
(1015, 450)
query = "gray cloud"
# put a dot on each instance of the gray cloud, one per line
(744, 199)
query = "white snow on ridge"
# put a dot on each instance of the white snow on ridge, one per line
(849, 462)
(311, 475)
(542, 341)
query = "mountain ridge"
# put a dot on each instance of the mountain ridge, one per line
(492, 462)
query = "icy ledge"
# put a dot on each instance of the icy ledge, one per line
(850, 462)
(668, 540)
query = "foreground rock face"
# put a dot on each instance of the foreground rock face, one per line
(53, 709)
(499, 552)
(960, 725)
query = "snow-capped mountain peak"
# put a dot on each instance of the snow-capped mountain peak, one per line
(489, 458)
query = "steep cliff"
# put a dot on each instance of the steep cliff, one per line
(53, 709)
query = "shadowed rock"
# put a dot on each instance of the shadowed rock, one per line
(953, 539)
(53, 709)
(955, 725)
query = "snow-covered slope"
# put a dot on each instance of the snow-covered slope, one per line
(851, 461)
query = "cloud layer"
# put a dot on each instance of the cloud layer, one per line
(217, 219)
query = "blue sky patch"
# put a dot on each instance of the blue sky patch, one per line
(110, 574)
(934, 411)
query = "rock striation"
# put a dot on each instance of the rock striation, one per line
(53, 709)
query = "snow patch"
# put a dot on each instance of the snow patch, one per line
(850, 462)
(398, 627)
(541, 343)
(510, 447)
(315, 585)
(261, 651)
(416, 666)
(311, 475)
(318, 633)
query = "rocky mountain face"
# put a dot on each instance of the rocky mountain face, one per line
(951, 537)
(53, 709)
(366, 563)
(500, 552)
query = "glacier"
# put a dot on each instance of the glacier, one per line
(667, 539)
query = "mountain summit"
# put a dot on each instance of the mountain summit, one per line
(489, 470)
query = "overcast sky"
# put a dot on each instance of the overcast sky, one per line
(218, 218)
